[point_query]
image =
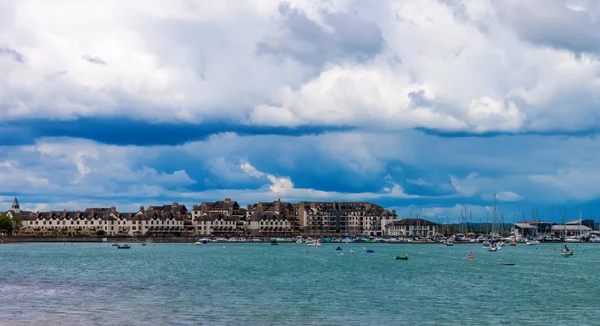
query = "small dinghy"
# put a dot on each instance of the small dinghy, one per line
(338, 248)
(370, 251)
(401, 258)
(125, 246)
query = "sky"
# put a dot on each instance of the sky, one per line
(425, 106)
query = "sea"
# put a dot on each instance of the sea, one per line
(294, 284)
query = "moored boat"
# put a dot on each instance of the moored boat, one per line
(125, 246)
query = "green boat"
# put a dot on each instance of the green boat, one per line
(401, 258)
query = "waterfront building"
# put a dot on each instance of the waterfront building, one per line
(272, 219)
(343, 218)
(220, 218)
(527, 228)
(65, 222)
(165, 220)
(411, 227)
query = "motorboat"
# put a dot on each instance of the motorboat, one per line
(198, 243)
(401, 258)
(448, 244)
(370, 251)
(125, 246)
(313, 243)
(274, 242)
(338, 248)
(532, 242)
(493, 248)
(115, 244)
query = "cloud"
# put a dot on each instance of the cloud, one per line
(419, 182)
(12, 53)
(94, 60)
(336, 36)
(283, 186)
(394, 65)
(508, 196)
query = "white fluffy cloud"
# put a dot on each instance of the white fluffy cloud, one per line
(459, 66)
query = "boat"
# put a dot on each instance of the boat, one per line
(204, 240)
(532, 242)
(448, 244)
(115, 244)
(565, 252)
(143, 243)
(198, 243)
(274, 242)
(493, 247)
(338, 248)
(125, 246)
(313, 243)
(513, 243)
(401, 258)
(299, 240)
(370, 251)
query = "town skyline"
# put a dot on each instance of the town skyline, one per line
(474, 215)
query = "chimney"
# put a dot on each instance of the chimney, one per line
(313, 205)
(277, 205)
(227, 200)
(259, 207)
(113, 208)
(142, 209)
(393, 212)
(249, 207)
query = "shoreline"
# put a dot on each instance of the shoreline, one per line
(267, 240)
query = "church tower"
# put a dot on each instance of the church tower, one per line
(15, 206)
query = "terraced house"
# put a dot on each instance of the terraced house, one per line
(275, 218)
(165, 220)
(220, 218)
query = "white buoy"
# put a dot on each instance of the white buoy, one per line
(223, 247)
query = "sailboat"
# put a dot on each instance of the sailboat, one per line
(566, 252)
(494, 246)
(533, 241)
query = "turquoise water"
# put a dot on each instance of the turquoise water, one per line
(259, 284)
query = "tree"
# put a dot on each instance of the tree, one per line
(9, 225)
(100, 232)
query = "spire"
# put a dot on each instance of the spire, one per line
(15, 205)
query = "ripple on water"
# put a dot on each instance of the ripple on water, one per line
(178, 284)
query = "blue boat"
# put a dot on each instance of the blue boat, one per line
(125, 246)
(370, 251)
(338, 248)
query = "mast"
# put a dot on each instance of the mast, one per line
(494, 217)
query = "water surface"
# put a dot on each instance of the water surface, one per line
(292, 284)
